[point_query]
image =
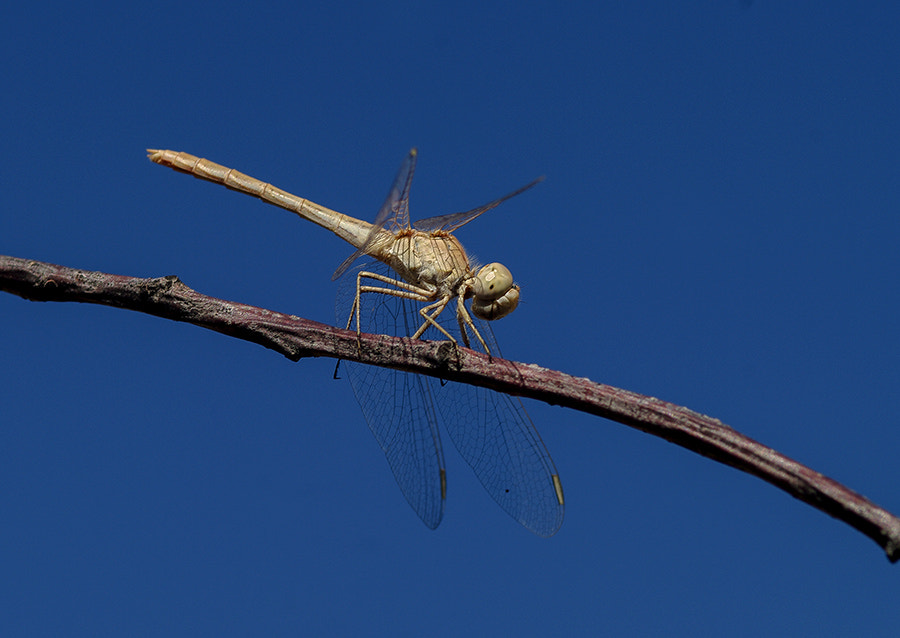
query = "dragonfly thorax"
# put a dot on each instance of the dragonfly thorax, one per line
(435, 261)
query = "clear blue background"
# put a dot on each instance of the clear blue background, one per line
(719, 228)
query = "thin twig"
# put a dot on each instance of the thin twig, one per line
(295, 338)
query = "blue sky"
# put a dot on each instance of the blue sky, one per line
(718, 228)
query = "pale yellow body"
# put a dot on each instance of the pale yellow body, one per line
(432, 264)
(431, 268)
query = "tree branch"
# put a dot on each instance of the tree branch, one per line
(295, 338)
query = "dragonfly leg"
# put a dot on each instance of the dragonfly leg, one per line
(437, 308)
(406, 290)
(462, 330)
(400, 289)
(465, 319)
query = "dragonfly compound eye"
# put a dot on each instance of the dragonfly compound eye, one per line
(492, 282)
(495, 293)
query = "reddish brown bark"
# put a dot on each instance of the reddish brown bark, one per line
(296, 338)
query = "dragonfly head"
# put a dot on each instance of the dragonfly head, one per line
(495, 293)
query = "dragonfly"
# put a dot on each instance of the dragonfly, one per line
(413, 280)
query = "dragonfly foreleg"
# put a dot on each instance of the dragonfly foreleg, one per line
(462, 327)
(465, 319)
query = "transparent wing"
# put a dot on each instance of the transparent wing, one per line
(397, 406)
(451, 222)
(496, 437)
(492, 431)
(394, 210)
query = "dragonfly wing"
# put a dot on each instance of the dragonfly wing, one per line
(395, 210)
(492, 431)
(397, 406)
(494, 434)
(451, 222)
(496, 437)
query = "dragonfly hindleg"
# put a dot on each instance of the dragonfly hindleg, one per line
(400, 289)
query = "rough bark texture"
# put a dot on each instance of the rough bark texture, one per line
(296, 338)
